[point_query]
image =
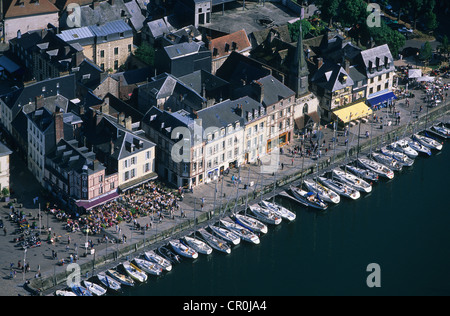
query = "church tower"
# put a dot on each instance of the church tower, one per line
(299, 70)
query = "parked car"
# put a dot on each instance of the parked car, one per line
(404, 29)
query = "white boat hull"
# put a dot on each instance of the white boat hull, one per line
(225, 235)
(148, 267)
(280, 210)
(253, 224)
(264, 215)
(215, 242)
(340, 188)
(199, 246)
(325, 194)
(243, 232)
(155, 258)
(353, 181)
(183, 250)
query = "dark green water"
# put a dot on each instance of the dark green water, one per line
(402, 225)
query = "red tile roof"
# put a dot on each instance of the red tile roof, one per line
(19, 8)
(224, 45)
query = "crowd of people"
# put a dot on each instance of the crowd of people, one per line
(150, 199)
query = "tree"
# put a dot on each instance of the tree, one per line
(294, 27)
(426, 52)
(352, 12)
(385, 35)
(329, 9)
(444, 47)
(146, 53)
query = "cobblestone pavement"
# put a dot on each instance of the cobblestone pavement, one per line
(26, 189)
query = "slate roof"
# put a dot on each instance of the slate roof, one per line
(182, 49)
(16, 99)
(274, 90)
(330, 77)
(68, 156)
(371, 56)
(220, 115)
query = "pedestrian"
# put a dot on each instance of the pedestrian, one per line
(68, 240)
(4, 231)
(292, 161)
(282, 166)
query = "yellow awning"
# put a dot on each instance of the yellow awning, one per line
(353, 112)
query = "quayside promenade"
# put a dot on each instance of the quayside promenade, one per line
(201, 207)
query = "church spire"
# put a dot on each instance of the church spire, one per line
(300, 69)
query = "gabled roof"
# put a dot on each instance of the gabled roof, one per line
(182, 49)
(68, 156)
(274, 90)
(220, 115)
(332, 77)
(20, 8)
(224, 45)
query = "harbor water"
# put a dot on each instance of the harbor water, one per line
(402, 226)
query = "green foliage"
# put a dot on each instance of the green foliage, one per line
(146, 54)
(385, 35)
(295, 27)
(5, 191)
(426, 52)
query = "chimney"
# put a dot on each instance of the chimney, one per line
(104, 108)
(346, 66)
(59, 126)
(128, 123)
(39, 101)
(259, 88)
(121, 119)
(319, 62)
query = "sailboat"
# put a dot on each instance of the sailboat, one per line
(182, 249)
(420, 148)
(376, 167)
(198, 245)
(340, 188)
(159, 260)
(428, 142)
(225, 234)
(362, 173)
(352, 180)
(265, 215)
(308, 198)
(148, 267)
(326, 194)
(389, 162)
(241, 231)
(440, 130)
(400, 157)
(109, 282)
(215, 242)
(278, 209)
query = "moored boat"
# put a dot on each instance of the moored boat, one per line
(308, 198)
(420, 148)
(324, 193)
(64, 293)
(215, 242)
(403, 146)
(389, 162)
(198, 245)
(340, 188)
(109, 282)
(265, 215)
(134, 272)
(352, 180)
(440, 130)
(159, 260)
(80, 290)
(428, 142)
(169, 255)
(225, 234)
(183, 250)
(148, 267)
(363, 173)
(278, 209)
(251, 223)
(400, 157)
(241, 231)
(121, 278)
(95, 289)
(376, 167)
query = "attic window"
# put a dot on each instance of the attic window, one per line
(233, 45)
(215, 51)
(227, 47)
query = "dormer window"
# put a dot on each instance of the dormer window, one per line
(227, 47)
